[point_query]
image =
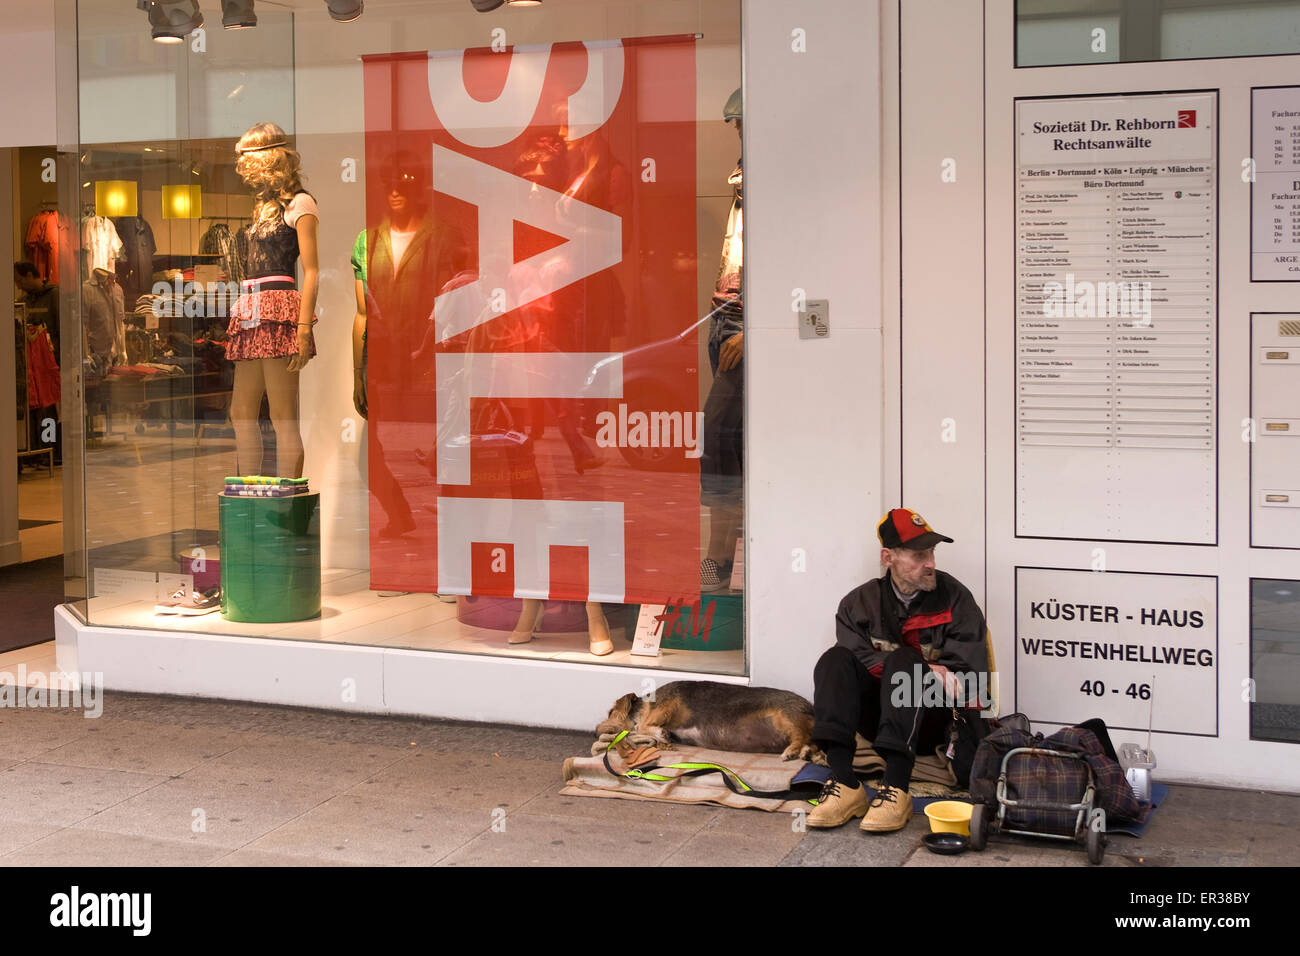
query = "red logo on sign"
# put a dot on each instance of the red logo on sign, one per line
(1187, 119)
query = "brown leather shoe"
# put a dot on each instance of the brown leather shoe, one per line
(837, 805)
(889, 811)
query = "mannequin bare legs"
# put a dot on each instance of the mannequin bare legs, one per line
(530, 618)
(272, 378)
(598, 630)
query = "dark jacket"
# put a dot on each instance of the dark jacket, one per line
(404, 292)
(945, 625)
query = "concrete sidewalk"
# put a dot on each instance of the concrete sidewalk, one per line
(181, 781)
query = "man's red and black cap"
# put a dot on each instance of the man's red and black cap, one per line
(904, 528)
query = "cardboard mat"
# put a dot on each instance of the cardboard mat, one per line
(589, 777)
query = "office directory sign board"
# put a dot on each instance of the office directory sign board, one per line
(1116, 317)
(1275, 190)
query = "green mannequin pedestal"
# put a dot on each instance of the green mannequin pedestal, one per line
(270, 558)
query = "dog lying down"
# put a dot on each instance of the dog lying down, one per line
(720, 717)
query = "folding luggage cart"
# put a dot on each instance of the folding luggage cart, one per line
(1043, 818)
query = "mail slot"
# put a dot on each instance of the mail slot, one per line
(1277, 356)
(1289, 499)
(1277, 426)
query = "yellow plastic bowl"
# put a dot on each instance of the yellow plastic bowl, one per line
(949, 816)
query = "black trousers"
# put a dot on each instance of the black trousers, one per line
(848, 699)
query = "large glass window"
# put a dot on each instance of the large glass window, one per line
(1067, 32)
(461, 290)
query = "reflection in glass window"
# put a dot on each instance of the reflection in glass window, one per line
(1072, 32)
(1275, 660)
(513, 424)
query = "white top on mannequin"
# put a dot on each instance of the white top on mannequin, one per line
(299, 206)
(400, 241)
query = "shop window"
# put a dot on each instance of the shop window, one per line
(1072, 32)
(517, 427)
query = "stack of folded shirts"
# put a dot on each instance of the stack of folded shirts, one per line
(263, 486)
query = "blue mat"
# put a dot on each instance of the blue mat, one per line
(1159, 791)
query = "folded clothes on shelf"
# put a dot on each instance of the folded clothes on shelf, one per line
(266, 491)
(264, 480)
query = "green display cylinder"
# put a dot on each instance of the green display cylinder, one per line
(270, 558)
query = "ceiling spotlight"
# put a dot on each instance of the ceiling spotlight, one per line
(524, 3)
(237, 14)
(345, 11)
(486, 6)
(172, 22)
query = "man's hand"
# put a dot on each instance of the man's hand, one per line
(732, 351)
(952, 685)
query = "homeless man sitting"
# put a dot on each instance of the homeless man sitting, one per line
(912, 621)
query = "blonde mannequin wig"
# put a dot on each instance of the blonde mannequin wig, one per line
(273, 170)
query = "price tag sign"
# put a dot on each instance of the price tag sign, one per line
(650, 626)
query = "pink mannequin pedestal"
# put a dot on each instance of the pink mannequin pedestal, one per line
(501, 614)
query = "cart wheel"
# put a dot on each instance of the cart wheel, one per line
(1096, 845)
(979, 827)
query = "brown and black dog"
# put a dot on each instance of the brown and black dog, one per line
(720, 717)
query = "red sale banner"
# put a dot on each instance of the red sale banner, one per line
(529, 278)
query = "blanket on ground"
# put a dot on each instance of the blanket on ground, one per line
(588, 776)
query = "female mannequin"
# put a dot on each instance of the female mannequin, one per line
(271, 323)
(530, 618)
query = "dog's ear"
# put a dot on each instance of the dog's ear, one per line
(619, 715)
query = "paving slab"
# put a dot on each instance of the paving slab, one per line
(611, 810)
(464, 780)
(529, 839)
(61, 796)
(246, 857)
(327, 766)
(849, 846)
(146, 747)
(352, 828)
(719, 848)
(209, 812)
(76, 846)
(29, 733)
(16, 835)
